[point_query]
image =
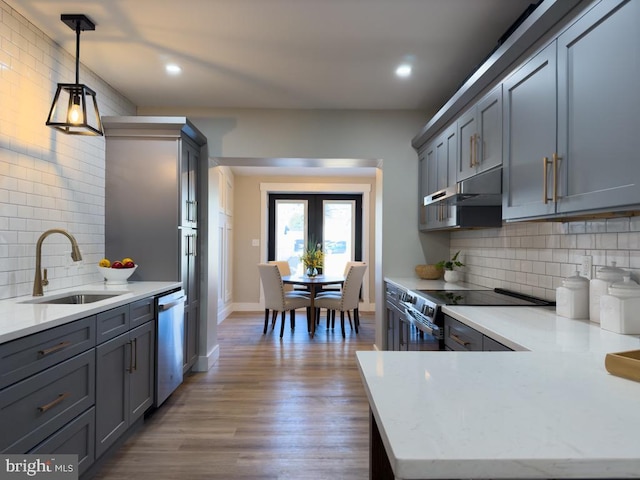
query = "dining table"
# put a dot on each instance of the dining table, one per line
(314, 284)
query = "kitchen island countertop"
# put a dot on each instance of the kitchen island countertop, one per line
(550, 410)
(18, 319)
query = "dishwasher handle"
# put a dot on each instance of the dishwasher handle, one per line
(168, 306)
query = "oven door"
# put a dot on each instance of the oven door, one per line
(419, 333)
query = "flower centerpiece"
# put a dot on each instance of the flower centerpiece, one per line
(312, 258)
(450, 275)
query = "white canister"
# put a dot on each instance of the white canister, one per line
(619, 308)
(572, 298)
(605, 276)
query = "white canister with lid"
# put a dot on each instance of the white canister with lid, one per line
(605, 276)
(619, 308)
(572, 298)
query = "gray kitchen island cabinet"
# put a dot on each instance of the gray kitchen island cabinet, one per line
(570, 119)
(125, 367)
(152, 205)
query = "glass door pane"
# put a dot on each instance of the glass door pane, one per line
(291, 219)
(338, 233)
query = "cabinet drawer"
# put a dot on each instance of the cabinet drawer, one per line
(29, 355)
(141, 311)
(459, 336)
(75, 438)
(490, 345)
(112, 323)
(35, 408)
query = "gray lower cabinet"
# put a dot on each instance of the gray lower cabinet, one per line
(463, 338)
(59, 393)
(75, 438)
(571, 121)
(125, 387)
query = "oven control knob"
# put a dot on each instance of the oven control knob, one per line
(429, 311)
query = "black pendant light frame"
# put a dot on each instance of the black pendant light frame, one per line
(77, 92)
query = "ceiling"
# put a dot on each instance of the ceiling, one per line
(292, 54)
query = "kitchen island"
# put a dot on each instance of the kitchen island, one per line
(550, 410)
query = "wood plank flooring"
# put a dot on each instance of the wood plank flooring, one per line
(271, 408)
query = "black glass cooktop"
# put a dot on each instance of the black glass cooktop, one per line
(496, 297)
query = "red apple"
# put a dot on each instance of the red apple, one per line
(129, 265)
(117, 265)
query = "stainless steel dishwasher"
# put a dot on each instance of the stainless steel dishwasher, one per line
(170, 309)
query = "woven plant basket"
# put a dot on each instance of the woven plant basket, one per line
(429, 272)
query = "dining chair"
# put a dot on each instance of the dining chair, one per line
(276, 299)
(349, 296)
(285, 269)
(336, 293)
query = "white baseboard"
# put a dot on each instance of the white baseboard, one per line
(224, 312)
(205, 362)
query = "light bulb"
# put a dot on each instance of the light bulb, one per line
(75, 112)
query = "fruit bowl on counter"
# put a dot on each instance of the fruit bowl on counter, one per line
(118, 272)
(116, 276)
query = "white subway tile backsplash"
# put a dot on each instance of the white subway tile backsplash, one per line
(518, 265)
(47, 179)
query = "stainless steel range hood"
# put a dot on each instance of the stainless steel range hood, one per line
(482, 190)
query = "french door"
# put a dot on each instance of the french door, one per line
(332, 221)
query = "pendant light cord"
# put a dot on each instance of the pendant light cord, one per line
(77, 52)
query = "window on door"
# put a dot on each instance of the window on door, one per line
(333, 221)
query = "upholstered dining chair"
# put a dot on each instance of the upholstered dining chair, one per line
(285, 269)
(276, 299)
(349, 296)
(336, 293)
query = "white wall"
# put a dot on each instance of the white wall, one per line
(47, 179)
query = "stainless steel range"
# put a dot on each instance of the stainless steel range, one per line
(423, 309)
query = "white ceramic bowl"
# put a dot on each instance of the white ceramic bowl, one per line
(116, 276)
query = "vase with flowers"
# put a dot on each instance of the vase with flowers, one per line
(450, 274)
(312, 258)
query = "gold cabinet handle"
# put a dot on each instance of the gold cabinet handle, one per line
(556, 160)
(457, 339)
(545, 163)
(53, 403)
(55, 348)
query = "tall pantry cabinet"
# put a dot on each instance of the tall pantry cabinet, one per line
(152, 205)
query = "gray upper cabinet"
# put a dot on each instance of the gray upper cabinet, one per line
(529, 136)
(439, 166)
(598, 107)
(480, 136)
(571, 118)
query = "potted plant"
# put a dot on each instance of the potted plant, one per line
(450, 274)
(312, 258)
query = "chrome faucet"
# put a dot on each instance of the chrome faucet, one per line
(76, 256)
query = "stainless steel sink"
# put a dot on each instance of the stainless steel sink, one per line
(74, 298)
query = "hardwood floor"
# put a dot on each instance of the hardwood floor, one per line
(269, 409)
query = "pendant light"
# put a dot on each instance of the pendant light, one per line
(69, 112)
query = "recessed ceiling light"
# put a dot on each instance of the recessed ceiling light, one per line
(403, 70)
(173, 69)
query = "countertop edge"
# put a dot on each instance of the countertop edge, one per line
(20, 319)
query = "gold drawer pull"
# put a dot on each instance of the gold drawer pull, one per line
(54, 349)
(55, 402)
(457, 339)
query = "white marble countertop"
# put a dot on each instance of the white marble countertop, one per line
(18, 319)
(550, 412)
